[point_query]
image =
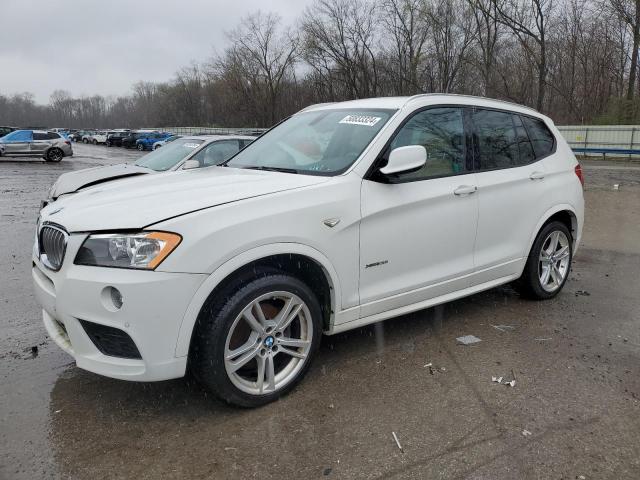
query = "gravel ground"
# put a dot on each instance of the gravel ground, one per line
(573, 413)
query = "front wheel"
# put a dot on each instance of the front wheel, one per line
(95, 142)
(54, 155)
(548, 264)
(256, 344)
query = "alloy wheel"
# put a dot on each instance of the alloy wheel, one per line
(268, 343)
(553, 262)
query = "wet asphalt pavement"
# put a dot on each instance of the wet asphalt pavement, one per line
(574, 411)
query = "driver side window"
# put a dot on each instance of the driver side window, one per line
(441, 132)
(217, 152)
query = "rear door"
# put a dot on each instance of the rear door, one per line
(40, 143)
(510, 192)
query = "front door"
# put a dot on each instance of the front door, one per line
(18, 142)
(418, 229)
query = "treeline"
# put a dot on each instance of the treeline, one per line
(574, 60)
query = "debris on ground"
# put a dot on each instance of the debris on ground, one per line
(395, 437)
(510, 383)
(326, 472)
(543, 339)
(34, 351)
(582, 293)
(468, 340)
(616, 186)
(526, 433)
(504, 328)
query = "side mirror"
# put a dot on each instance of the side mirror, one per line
(405, 159)
(190, 164)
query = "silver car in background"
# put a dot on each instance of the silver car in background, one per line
(52, 146)
(181, 154)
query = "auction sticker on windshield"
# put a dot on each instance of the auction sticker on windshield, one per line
(191, 145)
(365, 120)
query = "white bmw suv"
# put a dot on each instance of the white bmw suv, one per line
(343, 215)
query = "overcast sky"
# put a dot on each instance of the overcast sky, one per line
(89, 46)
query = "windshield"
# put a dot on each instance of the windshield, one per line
(170, 155)
(324, 142)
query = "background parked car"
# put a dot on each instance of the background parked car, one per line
(130, 140)
(146, 142)
(161, 143)
(86, 138)
(6, 130)
(77, 135)
(99, 137)
(114, 139)
(204, 150)
(51, 146)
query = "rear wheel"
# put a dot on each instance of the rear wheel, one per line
(54, 155)
(549, 263)
(95, 142)
(256, 344)
(85, 140)
(141, 147)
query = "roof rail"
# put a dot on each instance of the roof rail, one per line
(420, 95)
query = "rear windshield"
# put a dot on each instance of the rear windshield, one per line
(170, 155)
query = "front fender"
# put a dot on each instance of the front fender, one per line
(233, 264)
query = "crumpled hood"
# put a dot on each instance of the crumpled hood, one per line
(73, 181)
(137, 202)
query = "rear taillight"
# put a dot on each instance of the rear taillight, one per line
(578, 171)
(67, 142)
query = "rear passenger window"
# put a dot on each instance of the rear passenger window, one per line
(40, 136)
(53, 136)
(441, 132)
(540, 136)
(497, 145)
(524, 145)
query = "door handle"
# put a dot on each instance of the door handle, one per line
(465, 190)
(536, 175)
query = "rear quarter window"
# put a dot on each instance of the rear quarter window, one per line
(541, 137)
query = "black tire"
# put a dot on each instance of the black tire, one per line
(54, 155)
(206, 358)
(140, 147)
(529, 284)
(95, 142)
(84, 140)
(107, 143)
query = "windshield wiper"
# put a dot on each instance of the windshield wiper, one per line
(273, 169)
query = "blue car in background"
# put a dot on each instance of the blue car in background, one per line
(146, 141)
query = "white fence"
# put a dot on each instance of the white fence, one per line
(211, 130)
(603, 137)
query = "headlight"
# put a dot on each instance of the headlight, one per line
(143, 250)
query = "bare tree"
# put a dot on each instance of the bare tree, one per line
(528, 21)
(339, 45)
(406, 22)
